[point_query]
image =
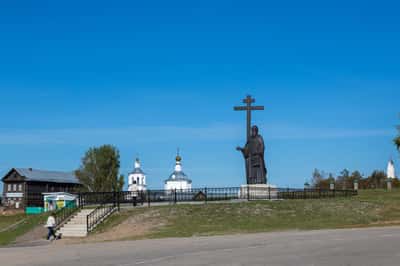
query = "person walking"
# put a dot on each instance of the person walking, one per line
(50, 224)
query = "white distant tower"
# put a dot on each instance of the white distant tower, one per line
(391, 172)
(137, 179)
(178, 180)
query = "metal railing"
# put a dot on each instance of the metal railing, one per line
(97, 198)
(65, 213)
(248, 193)
(98, 215)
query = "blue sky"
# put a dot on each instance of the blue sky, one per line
(151, 76)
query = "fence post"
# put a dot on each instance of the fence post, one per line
(118, 200)
(148, 198)
(269, 192)
(87, 223)
(206, 195)
(175, 199)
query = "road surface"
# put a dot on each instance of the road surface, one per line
(364, 247)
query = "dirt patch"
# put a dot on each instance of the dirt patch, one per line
(38, 233)
(136, 226)
(384, 223)
(10, 212)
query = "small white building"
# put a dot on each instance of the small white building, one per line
(58, 200)
(178, 180)
(391, 172)
(137, 179)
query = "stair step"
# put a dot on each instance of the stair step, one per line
(77, 225)
(74, 235)
(77, 222)
(73, 230)
(79, 219)
(74, 227)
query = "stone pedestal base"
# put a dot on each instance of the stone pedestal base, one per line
(389, 185)
(258, 192)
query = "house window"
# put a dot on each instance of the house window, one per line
(19, 187)
(9, 187)
(14, 187)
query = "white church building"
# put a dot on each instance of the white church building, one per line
(137, 179)
(178, 180)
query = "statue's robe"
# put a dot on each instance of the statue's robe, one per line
(253, 153)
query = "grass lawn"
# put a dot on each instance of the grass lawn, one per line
(6, 221)
(370, 208)
(30, 222)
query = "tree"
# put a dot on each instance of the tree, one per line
(377, 179)
(99, 170)
(395, 183)
(331, 177)
(343, 179)
(397, 142)
(316, 178)
(355, 176)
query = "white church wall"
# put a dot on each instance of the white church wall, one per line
(178, 185)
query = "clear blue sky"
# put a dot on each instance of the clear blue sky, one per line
(149, 76)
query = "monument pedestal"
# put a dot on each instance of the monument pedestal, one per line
(258, 192)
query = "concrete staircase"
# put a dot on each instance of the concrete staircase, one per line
(76, 227)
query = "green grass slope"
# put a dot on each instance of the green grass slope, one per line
(29, 223)
(370, 208)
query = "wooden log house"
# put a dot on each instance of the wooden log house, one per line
(23, 187)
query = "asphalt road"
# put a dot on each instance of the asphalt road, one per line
(364, 247)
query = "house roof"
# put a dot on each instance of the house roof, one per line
(47, 176)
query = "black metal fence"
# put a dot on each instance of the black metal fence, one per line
(153, 196)
(98, 214)
(245, 193)
(65, 213)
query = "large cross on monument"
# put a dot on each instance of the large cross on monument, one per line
(248, 108)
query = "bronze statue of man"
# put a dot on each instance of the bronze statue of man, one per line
(253, 152)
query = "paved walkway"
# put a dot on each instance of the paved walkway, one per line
(364, 247)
